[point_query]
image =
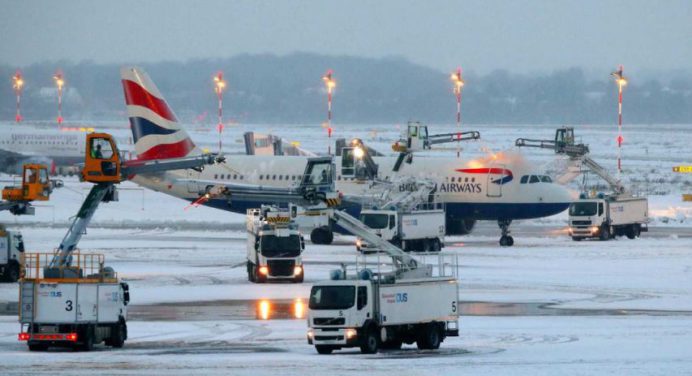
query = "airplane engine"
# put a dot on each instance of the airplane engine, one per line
(459, 226)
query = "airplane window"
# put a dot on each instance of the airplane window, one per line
(241, 177)
(452, 179)
(473, 180)
(274, 177)
(281, 177)
(534, 179)
(260, 177)
(546, 179)
(235, 176)
(216, 176)
(524, 179)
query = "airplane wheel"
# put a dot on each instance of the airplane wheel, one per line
(510, 241)
(503, 241)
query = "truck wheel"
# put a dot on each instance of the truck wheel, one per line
(638, 230)
(12, 273)
(38, 347)
(370, 343)
(117, 339)
(605, 232)
(576, 238)
(631, 232)
(324, 350)
(88, 343)
(429, 338)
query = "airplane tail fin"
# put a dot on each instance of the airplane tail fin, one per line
(155, 129)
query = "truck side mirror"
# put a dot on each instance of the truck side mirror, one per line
(126, 293)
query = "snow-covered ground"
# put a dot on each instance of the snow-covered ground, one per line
(622, 307)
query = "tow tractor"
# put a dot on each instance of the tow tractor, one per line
(274, 245)
(595, 215)
(373, 309)
(73, 299)
(36, 186)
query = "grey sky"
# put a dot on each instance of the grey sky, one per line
(521, 36)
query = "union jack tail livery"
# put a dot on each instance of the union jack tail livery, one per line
(155, 129)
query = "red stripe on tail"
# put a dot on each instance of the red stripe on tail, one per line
(163, 151)
(139, 96)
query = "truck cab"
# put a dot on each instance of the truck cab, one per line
(11, 255)
(605, 217)
(413, 138)
(340, 312)
(274, 245)
(416, 230)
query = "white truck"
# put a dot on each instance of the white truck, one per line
(417, 230)
(274, 245)
(383, 309)
(373, 313)
(11, 252)
(77, 307)
(605, 217)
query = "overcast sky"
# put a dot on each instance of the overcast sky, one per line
(520, 36)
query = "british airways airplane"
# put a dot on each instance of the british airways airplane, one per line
(499, 188)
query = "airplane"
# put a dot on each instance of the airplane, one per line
(500, 188)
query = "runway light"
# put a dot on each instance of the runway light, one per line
(219, 87)
(264, 309)
(17, 84)
(621, 81)
(458, 83)
(298, 309)
(330, 83)
(59, 82)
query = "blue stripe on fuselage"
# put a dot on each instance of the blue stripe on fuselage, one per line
(465, 210)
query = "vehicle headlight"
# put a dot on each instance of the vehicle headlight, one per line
(594, 229)
(264, 270)
(297, 270)
(311, 334)
(350, 333)
(359, 243)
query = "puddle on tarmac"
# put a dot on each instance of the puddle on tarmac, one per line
(296, 309)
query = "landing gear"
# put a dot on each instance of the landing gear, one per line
(505, 240)
(322, 235)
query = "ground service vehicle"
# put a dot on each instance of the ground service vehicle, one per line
(418, 230)
(69, 299)
(74, 306)
(605, 217)
(274, 245)
(36, 186)
(11, 255)
(383, 309)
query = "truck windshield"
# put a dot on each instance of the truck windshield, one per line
(276, 246)
(332, 297)
(582, 208)
(375, 221)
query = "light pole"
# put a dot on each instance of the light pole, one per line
(458, 85)
(219, 86)
(17, 84)
(330, 84)
(621, 81)
(59, 82)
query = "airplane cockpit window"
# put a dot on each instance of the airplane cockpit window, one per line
(546, 179)
(524, 179)
(534, 179)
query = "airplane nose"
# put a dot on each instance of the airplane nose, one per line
(561, 194)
